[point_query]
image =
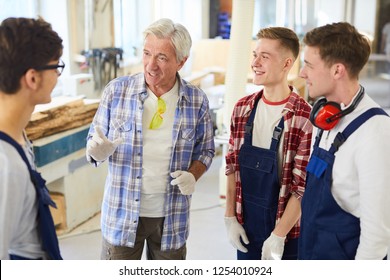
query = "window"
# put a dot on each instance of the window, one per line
(17, 8)
(131, 17)
(54, 12)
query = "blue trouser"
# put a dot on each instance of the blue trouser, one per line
(327, 231)
(260, 192)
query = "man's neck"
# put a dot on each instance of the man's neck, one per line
(277, 93)
(15, 115)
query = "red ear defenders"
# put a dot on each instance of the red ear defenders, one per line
(326, 114)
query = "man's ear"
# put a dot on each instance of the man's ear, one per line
(288, 63)
(31, 79)
(338, 70)
(182, 63)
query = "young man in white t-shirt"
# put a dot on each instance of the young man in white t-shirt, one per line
(269, 148)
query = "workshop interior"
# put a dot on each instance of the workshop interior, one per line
(103, 40)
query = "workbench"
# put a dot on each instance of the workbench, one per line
(75, 185)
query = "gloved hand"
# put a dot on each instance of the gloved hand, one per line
(99, 148)
(184, 180)
(273, 247)
(235, 231)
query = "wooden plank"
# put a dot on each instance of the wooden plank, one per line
(61, 115)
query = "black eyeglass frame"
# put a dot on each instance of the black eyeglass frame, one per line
(59, 67)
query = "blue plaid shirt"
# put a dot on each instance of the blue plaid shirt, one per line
(120, 116)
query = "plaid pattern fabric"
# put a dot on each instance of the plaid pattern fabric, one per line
(120, 116)
(296, 150)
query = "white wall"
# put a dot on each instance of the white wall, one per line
(364, 16)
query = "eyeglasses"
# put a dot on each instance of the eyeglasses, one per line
(157, 119)
(60, 67)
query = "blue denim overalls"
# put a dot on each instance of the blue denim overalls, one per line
(327, 231)
(46, 224)
(260, 189)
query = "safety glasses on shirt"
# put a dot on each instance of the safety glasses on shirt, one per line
(157, 119)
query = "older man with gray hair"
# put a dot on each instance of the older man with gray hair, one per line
(155, 130)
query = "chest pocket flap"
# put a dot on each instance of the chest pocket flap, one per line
(316, 166)
(188, 134)
(264, 164)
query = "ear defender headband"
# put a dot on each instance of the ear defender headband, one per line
(326, 114)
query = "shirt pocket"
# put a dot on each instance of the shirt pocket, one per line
(186, 141)
(120, 129)
(188, 134)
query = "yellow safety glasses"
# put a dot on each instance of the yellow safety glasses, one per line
(157, 118)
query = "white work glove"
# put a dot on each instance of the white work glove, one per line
(235, 231)
(273, 247)
(184, 180)
(99, 148)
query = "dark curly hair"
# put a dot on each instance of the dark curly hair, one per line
(25, 43)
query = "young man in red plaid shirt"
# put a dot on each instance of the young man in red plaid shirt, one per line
(269, 148)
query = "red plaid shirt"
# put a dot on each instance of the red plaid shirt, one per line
(296, 150)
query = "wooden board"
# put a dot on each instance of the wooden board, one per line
(60, 115)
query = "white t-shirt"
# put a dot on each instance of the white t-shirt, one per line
(268, 115)
(157, 149)
(361, 177)
(18, 206)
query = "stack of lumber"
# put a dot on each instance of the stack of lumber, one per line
(62, 114)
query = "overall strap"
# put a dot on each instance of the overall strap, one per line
(341, 137)
(46, 224)
(276, 135)
(249, 124)
(19, 148)
(318, 137)
(249, 129)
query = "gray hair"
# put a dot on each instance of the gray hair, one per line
(179, 35)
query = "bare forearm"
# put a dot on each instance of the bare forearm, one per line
(230, 196)
(197, 169)
(290, 217)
